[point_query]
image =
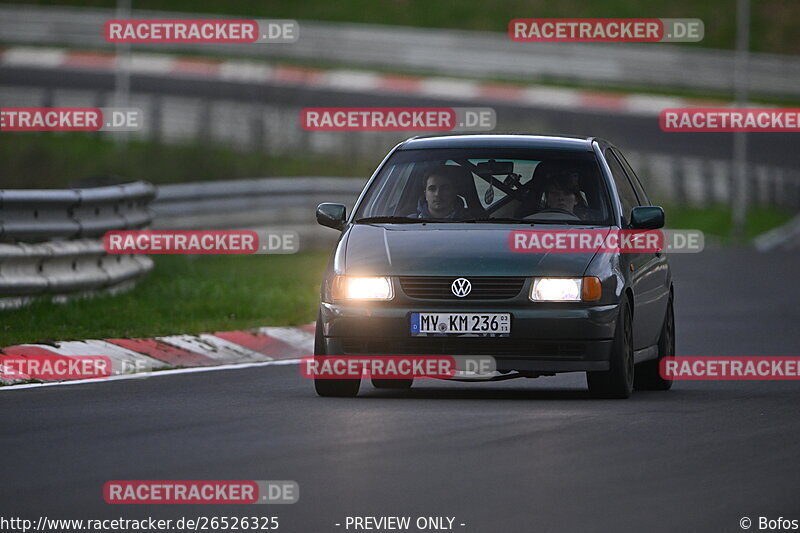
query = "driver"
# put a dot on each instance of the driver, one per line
(441, 200)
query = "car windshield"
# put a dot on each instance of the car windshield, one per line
(488, 186)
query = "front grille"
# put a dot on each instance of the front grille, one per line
(495, 346)
(483, 287)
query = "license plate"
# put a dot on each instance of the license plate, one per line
(498, 324)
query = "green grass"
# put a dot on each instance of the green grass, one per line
(39, 160)
(717, 220)
(773, 28)
(183, 294)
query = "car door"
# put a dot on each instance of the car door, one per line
(648, 270)
(661, 279)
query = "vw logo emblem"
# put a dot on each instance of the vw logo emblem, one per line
(461, 287)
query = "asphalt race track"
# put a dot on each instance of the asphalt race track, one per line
(515, 456)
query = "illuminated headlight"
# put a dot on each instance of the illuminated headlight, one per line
(565, 289)
(362, 288)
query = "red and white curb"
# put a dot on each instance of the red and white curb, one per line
(133, 356)
(246, 71)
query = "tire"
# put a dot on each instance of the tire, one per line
(332, 388)
(648, 376)
(617, 381)
(392, 383)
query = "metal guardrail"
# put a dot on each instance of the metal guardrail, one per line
(450, 52)
(259, 201)
(64, 267)
(280, 204)
(70, 262)
(73, 213)
(701, 182)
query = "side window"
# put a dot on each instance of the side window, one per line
(626, 194)
(637, 185)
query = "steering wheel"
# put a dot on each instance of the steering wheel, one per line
(554, 211)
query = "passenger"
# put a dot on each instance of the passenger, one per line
(563, 192)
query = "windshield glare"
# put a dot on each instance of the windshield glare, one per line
(469, 185)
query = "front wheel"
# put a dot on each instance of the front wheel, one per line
(648, 376)
(617, 381)
(337, 388)
(397, 384)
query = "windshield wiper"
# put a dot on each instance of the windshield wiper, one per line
(499, 220)
(393, 220)
(554, 221)
(565, 221)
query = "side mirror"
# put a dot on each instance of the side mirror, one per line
(647, 217)
(332, 215)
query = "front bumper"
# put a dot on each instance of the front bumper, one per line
(544, 337)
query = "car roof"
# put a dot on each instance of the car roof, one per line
(558, 142)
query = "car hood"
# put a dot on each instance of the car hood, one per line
(451, 249)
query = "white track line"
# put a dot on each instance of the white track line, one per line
(152, 374)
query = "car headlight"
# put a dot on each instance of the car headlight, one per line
(362, 288)
(586, 289)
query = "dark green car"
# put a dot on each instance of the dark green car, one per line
(429, 263)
